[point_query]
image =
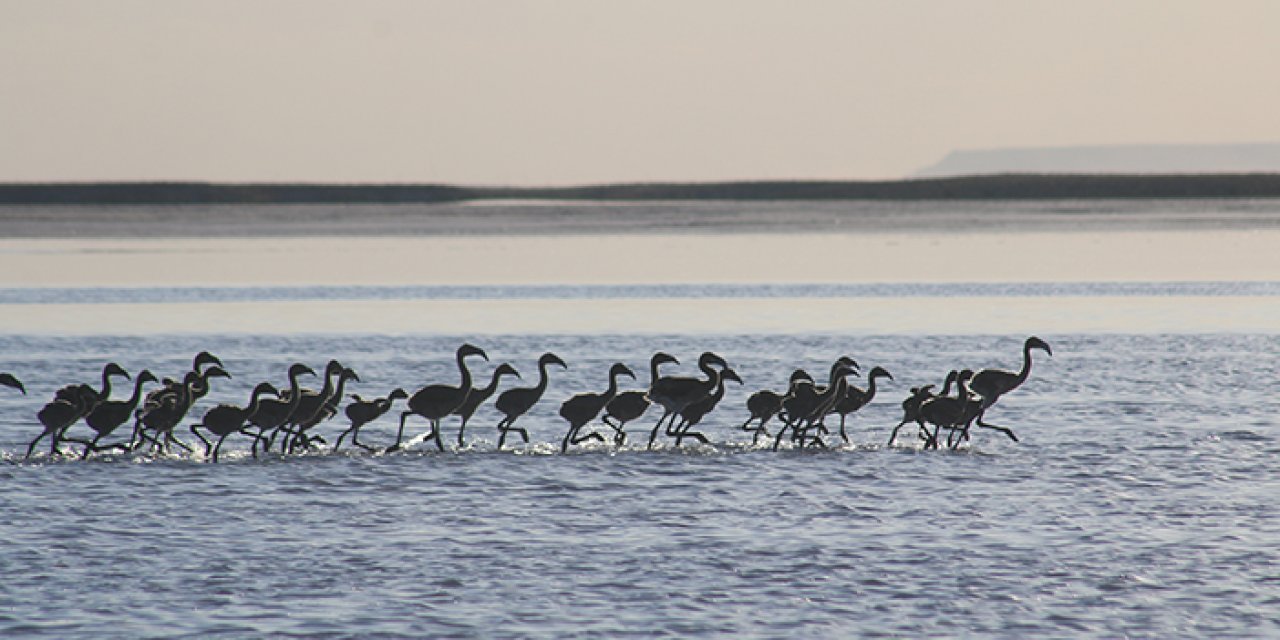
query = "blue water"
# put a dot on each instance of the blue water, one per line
(1140, 501)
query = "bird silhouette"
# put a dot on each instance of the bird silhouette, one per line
(107, 416)
(805, 411)
(436, 401)
(911, 405)
(60, 413)
(695, 411)
(362, 412)
(308, 406)
(328, 407)
(991, 384)
(765, 404)
(273, 413)
(855, 398)
(949, 412)
(674, 393)
(479, 394)
(629, 405)
(164, 408)
(804, 408)
(584, 407)
(514, 403)
(226, 419)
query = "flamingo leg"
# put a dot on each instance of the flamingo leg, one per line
(400, 432)
(653, 435)
(218, 447)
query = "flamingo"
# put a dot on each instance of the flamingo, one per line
(808, 402)
(675, 393)
(479, 394)
(765, 404)
(947, 411)
(694, 412)
(991, 384)
(514, 403)
(584, 407)
(911, 406)
(436, 401)
(629, 405)
(107, 416)
(226, 419)
(59, 414)
(327, 409)
(273, 413)
(164, 408)
(309, 405)
(855, 398)
(362, 412)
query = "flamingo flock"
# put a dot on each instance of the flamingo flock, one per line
(283, 415)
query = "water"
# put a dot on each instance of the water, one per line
(1139, 502)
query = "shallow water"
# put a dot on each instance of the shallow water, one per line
(1139, 501)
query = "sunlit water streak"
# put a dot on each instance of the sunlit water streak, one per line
(1139, 502)
(959, 308)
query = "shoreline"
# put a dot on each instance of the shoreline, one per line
(547, 218)
(998, 186)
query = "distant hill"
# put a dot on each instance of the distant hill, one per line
(1121, 159)
(984, 187)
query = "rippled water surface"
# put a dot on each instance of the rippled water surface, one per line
(1140, 501)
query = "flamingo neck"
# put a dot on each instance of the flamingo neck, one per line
(719, 392)
(342, 385)
(106, 386)
(613, 387)
(137, 392)
(295, 397)
(543, 378)
(466, 373)
(871, 389)
(653, 371)
(1026, 364)
(946, 388)
(255, 401)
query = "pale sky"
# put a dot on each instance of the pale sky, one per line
(583, 91)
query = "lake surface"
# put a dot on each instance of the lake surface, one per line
(1140, 500)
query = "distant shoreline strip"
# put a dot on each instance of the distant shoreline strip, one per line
(978, 187)
(151, 295)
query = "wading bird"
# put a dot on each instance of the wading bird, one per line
(59, 414)
(514, 403)
(694, 412)
(991, 384)
(226, 419)
(764, 405)
(911, 406)
(629, 405)
(436, 401)
(362, 412)
(478, 395)
(107, 416)
(855, 398)
(584, 407)
(273, 413)
(674, 393)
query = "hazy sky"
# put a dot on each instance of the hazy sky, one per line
(559, 91)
